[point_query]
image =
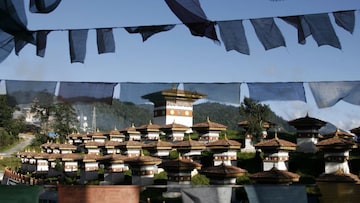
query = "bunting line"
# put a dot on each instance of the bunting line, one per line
(191, 15)
(325, 93)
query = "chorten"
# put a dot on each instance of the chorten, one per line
(149, 131)
(174, 131)
(143, 169)
(179, 172)
(131, 133)
(159, 148)
(189, 149)
(276, 153)
(225, 151)
(115, 135)
(173, 105)
(307, 133)
(209, 131)
(339, 133)
(336, 153)
(223, 174)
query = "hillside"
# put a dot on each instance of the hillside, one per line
(123, 114)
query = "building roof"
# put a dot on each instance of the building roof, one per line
(336, 142)
(130, 130)
(208, 125)
(338, 176)
(115, 131)
(174, 127)
(355, 130)
(46, 145)
(158, 145)
(173, 94)
(224, 144)
(112, 144)
(150, 127)
(94, 144)
(265, 124)
(223, 171)
(338, 133)
(91, 157)
(115, 158)
(71, 157)
(275, 175)
(53, 156)
(189, 144)
(76, 135)
(276, 143)
(179, 164)
(143, 160)
(305, 122)
(39, 155)
(98, 134)
(67, 146)
(131, 144)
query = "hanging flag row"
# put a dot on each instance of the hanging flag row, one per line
(15, 35)
(326, 94)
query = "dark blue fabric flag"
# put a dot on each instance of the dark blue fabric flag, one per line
(105, 40)
(43, 6)
(233, 35)
(217, 92)
(132, 92)
(20, 43)
(192, 15)
(303, 31)
(41, 39)
(327, 94)
(6, 45)
(277, 91)
(148, 31)
(77, 44)
(268, 33)
(72, 92)
(322, 29)
(13, 19)
(25, 92)
(345, 19)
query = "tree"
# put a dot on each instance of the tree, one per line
(42, 112)
(61, 117)
(65, 120)
(255, 113)
(11, 126)
(6, 112)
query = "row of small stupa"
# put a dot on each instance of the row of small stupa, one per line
(118, 151)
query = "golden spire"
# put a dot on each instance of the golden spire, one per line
(337, 132)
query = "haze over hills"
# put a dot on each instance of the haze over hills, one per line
(122, 114)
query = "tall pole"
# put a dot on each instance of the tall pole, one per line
(93, 124)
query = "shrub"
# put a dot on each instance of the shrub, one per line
(200, 180)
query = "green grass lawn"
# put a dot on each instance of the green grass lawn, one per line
(10, 162)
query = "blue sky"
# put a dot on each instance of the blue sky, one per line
(177, 56)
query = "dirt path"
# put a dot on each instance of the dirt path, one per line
(25, 141)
